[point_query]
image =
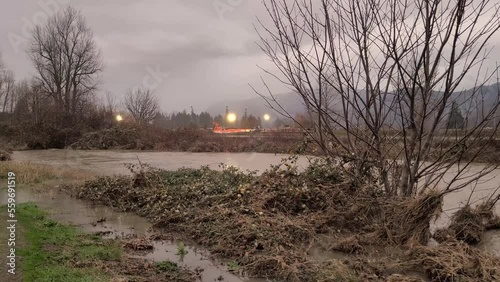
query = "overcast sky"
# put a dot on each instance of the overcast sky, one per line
(207, 47)
(192, 52)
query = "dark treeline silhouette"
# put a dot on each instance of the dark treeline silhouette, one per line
(202, 120)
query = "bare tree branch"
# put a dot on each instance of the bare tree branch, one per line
(142, 104)
(380, 78)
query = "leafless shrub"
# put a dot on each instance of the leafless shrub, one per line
(379, 80)
(7, 90)
(142, 104)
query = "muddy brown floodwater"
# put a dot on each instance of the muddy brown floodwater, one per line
(112, 162)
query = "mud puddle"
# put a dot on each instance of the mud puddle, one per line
(101, 219)
(194, 259)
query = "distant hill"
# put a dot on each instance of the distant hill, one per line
(257, 106)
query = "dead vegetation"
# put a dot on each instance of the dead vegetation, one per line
(468, 224)
(131, 136)
(28, 173)
(407, 221)
(457, 261)
(5, 149)
(5, 155)
(141, 270)
(138, 244)
(269, 224)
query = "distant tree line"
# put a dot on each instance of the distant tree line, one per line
(202, 120)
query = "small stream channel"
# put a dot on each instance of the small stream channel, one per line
(65, 209)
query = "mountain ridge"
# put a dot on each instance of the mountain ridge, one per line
(258, 107)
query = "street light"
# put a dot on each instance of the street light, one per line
(231, 117)
(118, 118)
(266, 117)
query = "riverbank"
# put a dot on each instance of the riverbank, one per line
(52, 251)
(48, 250)
(131, 231)
(185, 140)
(275, 225)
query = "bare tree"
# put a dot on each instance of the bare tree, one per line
(67, 60)
(379, 79)
(2, 66)
(142, 104)
(7, 87)
(21, 89)
(110, 103)
(2, 70)
(32, 107)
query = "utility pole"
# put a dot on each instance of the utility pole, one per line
(225, 117)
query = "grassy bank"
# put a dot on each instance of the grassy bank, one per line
(52, 251)
(57, 252)
(269, 225)
(28, 173)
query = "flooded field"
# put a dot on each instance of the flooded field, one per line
(111, 162)
(66, 209)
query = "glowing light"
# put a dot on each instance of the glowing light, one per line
(119, 118)
(267, 117)
(231, 117)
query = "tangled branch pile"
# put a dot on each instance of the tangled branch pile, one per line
(5, 151)
(457, 261)
(269, 223)
(5, 155)
(468, 224)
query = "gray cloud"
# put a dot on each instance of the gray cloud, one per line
(208, 51)
(207, 47)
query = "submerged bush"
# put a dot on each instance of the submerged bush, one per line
(5, 155)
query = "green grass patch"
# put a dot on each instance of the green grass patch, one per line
(181, 249)
(167, 266)
(59, 252)
(233, 266)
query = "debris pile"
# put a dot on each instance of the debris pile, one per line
(5, 155)
(268, 224)
(457, 261)
(468, 224)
